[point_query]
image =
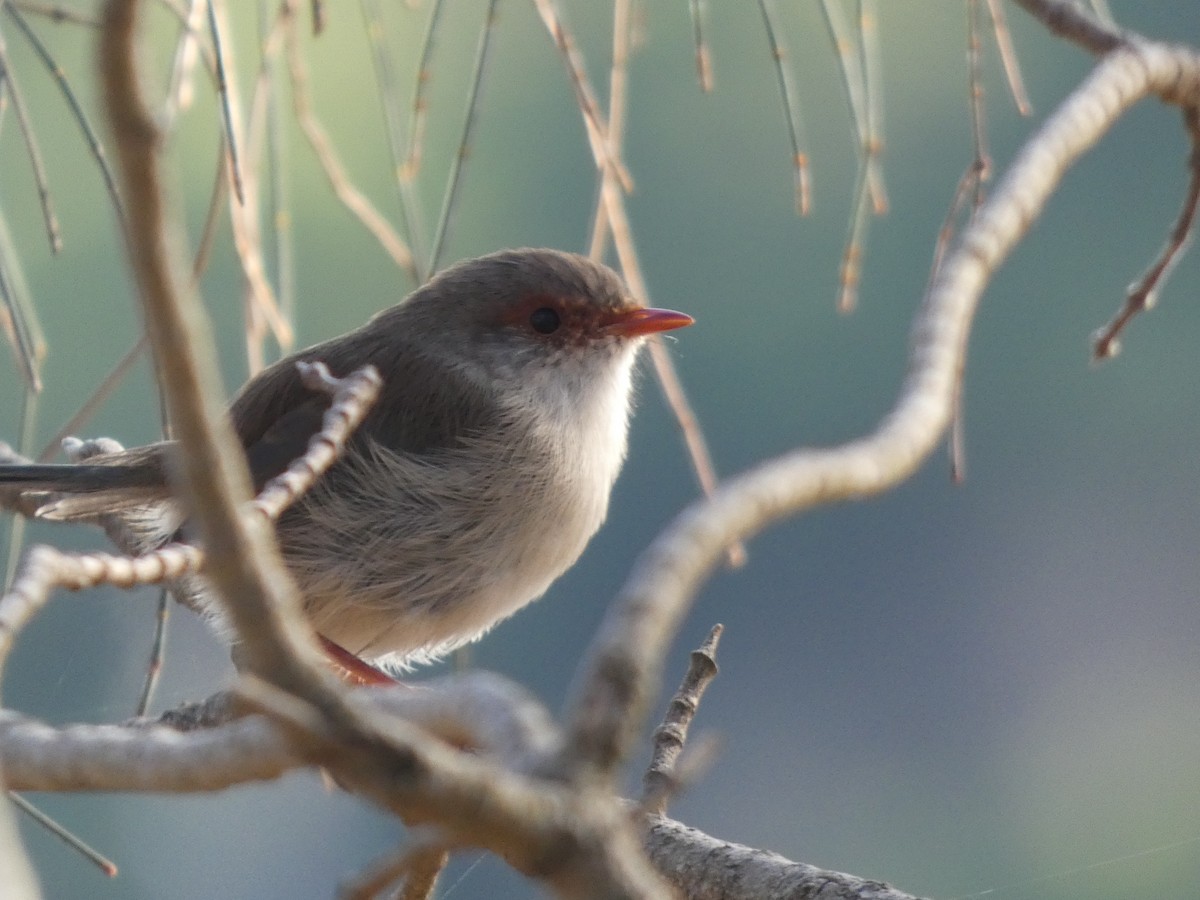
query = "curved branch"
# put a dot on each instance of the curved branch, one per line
(622, 667)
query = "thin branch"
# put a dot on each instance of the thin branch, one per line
(703, 57)
(1071, 21)
(593, 120)
(32, 149)
(55, 13)
(81, 118)
(420, 102)
(353, 397)
(417, 867)
(76, 843)
(180, 91)
(225, 98)
(454, 179)
(158, 651)
(349, 196)
(1143, 294)
(18, 314)
(399, 146)
(618, 92)
(102, 392)
(787, 92)
(1008, 57)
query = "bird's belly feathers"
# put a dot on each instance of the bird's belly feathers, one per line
(461, 548)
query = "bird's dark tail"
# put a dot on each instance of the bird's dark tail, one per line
(74, 491)
(78, 479)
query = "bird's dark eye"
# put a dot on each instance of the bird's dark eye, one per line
(544, 320)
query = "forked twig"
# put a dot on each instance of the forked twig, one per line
(187, 50)
(1143, 293)
(618, 92)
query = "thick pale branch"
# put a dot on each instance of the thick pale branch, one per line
(38, 757)
(623, 664)
(707, 868)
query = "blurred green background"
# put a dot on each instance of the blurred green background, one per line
(954, 689)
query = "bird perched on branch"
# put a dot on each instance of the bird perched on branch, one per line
(476, 479)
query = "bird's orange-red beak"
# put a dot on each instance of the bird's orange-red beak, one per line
(642, 321)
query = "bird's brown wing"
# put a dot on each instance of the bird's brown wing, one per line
(423, 405)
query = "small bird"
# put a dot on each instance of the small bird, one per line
(476, 479)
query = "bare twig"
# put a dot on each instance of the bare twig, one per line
(790, 112)
(1071, 21)
(593, 120)
(158, 650)
(618, 91)
(18, 315)
(399, 146)
(420, 102)
(187, 50)
(859, 65)
(102, 392)
(350, 197)
(1143, 293)
(76, 843)
(703, 57)
(32, 150)
(707, 868)
(418, 867)
(225, 96)
(55, 13)
(1008, 57)
(64, 86)
(353, 397)
(454, 179)
(660, 780)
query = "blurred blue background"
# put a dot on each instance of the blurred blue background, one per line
(953, 689)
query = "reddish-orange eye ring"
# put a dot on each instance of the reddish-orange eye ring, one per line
(544, 320)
